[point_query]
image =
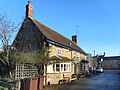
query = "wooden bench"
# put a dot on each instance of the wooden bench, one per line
(73, 79)
(64, 80)
(77, 76)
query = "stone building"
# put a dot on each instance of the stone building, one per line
(64, 52)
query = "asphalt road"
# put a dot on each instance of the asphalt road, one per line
(109, 80)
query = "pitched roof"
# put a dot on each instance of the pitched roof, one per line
(56, 37)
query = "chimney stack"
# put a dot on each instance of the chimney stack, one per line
(29, 9)
(74, 38)
(104, 53)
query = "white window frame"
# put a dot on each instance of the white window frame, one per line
(57, 68)
(59, 51)
(63, 67)
(77, 54)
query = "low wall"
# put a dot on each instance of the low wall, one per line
(54, 78)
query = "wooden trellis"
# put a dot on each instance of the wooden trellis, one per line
(25, 70)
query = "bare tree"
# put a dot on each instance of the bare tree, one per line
(8, 30)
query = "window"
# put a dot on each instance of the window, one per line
(59, 51)
(57, 67)
(77, 55)
(62, 67)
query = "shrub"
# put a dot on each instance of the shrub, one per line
(3, 88)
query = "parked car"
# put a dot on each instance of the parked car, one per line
(100, 69)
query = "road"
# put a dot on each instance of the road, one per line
(109, 80)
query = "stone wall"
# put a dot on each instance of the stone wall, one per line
(111, 64)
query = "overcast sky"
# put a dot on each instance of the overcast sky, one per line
(96, 22)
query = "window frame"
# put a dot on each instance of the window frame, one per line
(59, 51)
(63, 67)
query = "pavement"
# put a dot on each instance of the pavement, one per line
(109, 80)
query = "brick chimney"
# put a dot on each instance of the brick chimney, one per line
(29, 9)
(74, 38)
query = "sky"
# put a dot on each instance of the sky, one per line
(96, 22)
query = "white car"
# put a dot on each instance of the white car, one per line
(100, 69)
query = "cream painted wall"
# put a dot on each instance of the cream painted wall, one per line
(66, 52)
